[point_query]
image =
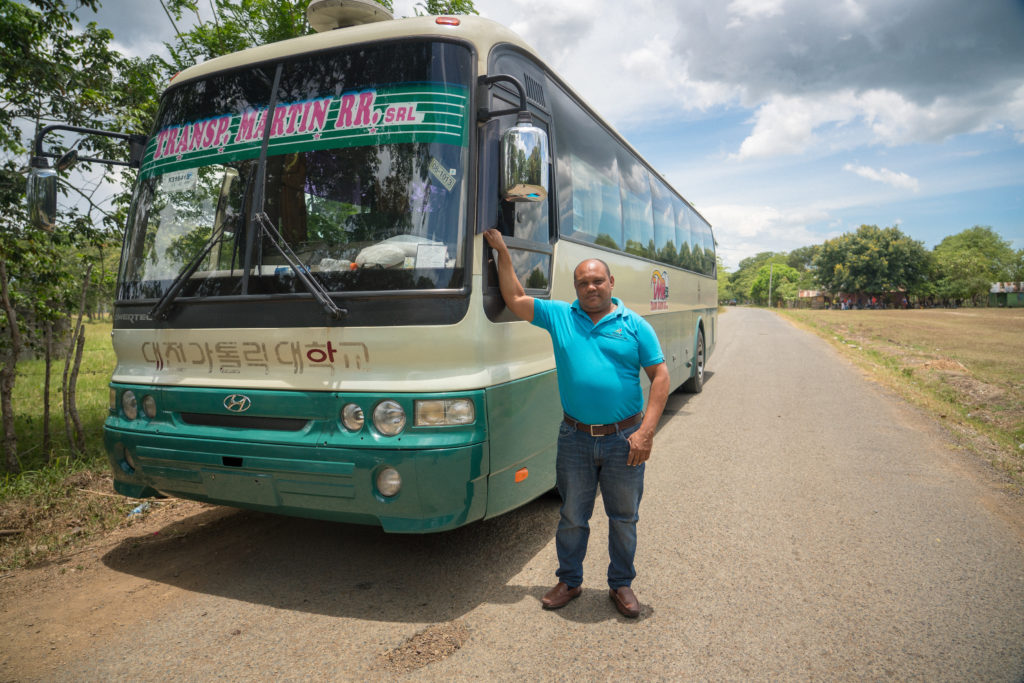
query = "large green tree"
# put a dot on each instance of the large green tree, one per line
(56, 74)
(872, 260)
(743, 279)
(775, 283)
(967, 263)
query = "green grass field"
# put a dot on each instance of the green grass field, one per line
(965, 365)
(59, 500)
(92, 397)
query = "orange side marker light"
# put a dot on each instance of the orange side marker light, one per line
(522, 474)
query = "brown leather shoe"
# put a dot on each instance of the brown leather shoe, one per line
(625, 601)
(559, 596)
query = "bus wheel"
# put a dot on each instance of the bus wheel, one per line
(695, 384)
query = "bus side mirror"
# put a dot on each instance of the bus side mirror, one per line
(524, 162)
(42, 194)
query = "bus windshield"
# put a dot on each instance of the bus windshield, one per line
(364, 176)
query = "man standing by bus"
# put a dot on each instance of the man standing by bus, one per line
(605, 437)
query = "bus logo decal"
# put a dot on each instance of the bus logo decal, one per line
(233, 357)
(659, 290)
(237, 403)
(404, 112)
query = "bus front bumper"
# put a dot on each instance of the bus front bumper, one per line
(442, 488)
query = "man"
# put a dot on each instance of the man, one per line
(605, 437)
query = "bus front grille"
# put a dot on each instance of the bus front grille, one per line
(280, 424)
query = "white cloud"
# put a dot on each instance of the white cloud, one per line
(621, 61)
(818, 76)
(743, 230)
(855, 11)
(884, 175)
(787, 125)
(744, 10)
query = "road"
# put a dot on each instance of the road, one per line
(799, 522)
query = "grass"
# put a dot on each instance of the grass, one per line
(59, 500)
(966, 366)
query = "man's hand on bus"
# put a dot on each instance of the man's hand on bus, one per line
(512, 290)
(495, 239)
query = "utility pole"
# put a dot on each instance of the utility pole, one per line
(771, 272)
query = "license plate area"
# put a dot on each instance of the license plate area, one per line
(242, 487)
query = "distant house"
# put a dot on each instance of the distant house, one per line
(813, 298)
(1007, 294)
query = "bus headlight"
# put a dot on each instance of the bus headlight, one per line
(130, 405)
(149, 406)
(352, 417)
(429, 413)
(389, 418)
(460, 411)
(389, 481)
(438, 413)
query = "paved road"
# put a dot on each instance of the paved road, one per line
(798, 523)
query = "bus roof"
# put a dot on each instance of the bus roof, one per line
(484, 33)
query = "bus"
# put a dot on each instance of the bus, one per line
(307, 319)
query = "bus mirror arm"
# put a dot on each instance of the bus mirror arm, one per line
(522, 112)
(42, 180)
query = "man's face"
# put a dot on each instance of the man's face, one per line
(593, 287)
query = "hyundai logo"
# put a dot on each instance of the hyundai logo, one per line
(237, 403)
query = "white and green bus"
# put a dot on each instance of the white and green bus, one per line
(307, 319)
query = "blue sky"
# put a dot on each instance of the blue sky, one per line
(786, 122)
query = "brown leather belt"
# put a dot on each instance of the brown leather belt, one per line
(604, 430)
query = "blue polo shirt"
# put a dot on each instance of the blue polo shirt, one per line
(599, 365)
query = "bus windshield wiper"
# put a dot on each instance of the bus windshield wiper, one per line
(159, 312)
(301, 271)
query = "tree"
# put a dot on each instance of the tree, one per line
(802, 258)
(1017, 271)
(784, 284)
(235, 26)
(239, 25)
(53, 74)
(743, 279)
(967, 263)
(438, 7)
(725, 292)
(872, 260)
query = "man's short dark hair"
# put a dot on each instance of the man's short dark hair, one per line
(607, 270)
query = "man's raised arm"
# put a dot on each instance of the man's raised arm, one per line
(512, 290)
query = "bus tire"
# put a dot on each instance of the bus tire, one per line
(695, 384)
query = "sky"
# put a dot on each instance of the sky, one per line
(784, 122)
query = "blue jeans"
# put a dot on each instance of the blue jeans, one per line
(585, 463)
